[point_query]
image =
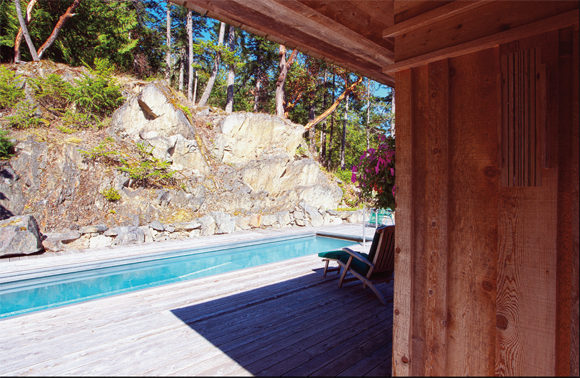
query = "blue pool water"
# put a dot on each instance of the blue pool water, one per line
(56, 287)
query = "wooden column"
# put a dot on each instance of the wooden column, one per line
(403, 285)
(437, 213)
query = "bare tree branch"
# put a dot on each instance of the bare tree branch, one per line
(25, 31)
(333, 107)
(19, 35)
(58, 27)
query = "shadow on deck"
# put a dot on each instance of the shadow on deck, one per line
(299, 327)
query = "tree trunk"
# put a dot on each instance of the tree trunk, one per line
(329, 161)
(168, 39)
(25, 31)
(195, 88)
(323, 131)
(181, 71)
(231, 72)
(58, 27)
(214, 72)
(329, 111)
(343, 143)
(18, 39)
(190, 56)
(258, 89)
(284, 68)
(312, 131)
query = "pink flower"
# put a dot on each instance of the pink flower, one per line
(392, 171)
(394, 186)
(353, 178)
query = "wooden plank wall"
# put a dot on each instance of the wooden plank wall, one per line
(491, 269)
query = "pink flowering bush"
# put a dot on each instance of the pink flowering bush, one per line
(375, 174)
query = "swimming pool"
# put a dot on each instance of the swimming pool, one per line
(45, 289)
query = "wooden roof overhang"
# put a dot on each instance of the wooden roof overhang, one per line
(361, 35)
(346, 33)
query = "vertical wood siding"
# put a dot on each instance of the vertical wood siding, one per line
(485, 281)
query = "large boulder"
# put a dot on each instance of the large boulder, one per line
(19, 235)
(155, 117)
(12, 199)
(150, 114)
(246, 136)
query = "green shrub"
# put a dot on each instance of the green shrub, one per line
(52, 92)
(147, 170)
(111, 194)
(65, 130)
(104, 152)
(25, 116)
(343, 175)
(10, 90)
(6, 146)
(98, 92)
(301, 151)
(72, 118)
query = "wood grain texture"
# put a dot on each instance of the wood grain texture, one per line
(382, 11)
(528, 262)
(567, 200)
(555, 22)
(420, 202)
(433, 16)
(521, 96)
(405, 9)
(404, 242)
(575, 316)
(473, 201)
(487, 20)
(437, 218)
(311, 22)
(351, 16)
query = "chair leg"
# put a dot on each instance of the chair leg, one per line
(342, 277)
(325, 267)
(378, 294)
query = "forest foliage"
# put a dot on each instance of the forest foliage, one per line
(130, 35)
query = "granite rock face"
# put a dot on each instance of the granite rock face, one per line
(246, 136)
(233, 172)
(20, 235)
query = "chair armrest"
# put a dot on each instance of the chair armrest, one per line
(358, 256)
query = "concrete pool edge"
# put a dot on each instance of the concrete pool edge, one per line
(26, 281)
(94, 257)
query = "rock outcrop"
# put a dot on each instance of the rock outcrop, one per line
(19, 235)
(232, 172)
(243, 137)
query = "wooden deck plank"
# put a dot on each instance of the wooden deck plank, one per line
(221, 339)
(227, 324)
(272, 347)
(308, 313)
(358, 357)
(332, 334)
(334, 349)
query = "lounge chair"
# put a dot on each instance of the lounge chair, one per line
(377, 266)
(327, 257)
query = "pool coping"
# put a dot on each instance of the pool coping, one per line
(178, 249)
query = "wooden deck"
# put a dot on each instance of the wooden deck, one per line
(278, 319)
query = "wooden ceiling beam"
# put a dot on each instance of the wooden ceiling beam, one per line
(433, 16)
(556, 22)
(353, 17)
(259, 22)
(313, 23)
